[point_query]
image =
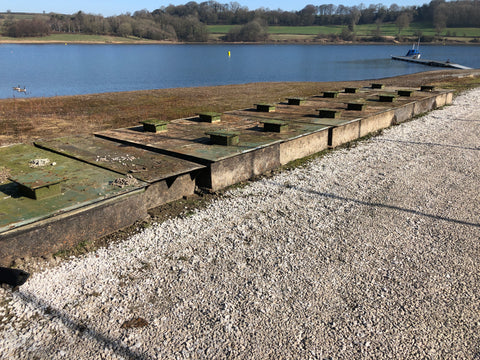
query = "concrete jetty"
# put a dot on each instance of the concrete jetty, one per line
(445, 64)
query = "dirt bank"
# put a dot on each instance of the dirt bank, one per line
(29, 119)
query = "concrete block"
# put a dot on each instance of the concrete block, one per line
(154, 125)
(39, 185)
(210, 117)
(386, 98)
(351, 90)
(427, 88)
(265, 107)
(330, 94)
(356, 106)
(406, 93)
(329, 113)
(277, 126)
(221, 137)
(296, 101)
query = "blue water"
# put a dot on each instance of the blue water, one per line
(54, 70)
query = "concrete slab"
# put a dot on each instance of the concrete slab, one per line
(168, 178)
(187, 139)
(144, 165)
(83, 189)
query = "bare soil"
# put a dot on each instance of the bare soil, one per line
(27, 120)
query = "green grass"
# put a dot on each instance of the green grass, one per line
(277, 32)
(284, 30)
(305, 30)
(387, 29)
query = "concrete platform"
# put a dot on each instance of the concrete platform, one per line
(90, 186)
(352, 124)
(90, 202)
(167, 178)
(256, 152)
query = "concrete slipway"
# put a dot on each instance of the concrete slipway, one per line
(61, 192)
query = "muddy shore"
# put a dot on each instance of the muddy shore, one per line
(29, 119)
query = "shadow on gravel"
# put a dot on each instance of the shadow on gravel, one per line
(82, 330)
(428, 144)
(466, 120)
(366, 203)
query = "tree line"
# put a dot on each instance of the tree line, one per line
(188, 22)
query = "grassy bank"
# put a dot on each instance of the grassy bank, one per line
(29, 119)
(281, 34)
(364, 32)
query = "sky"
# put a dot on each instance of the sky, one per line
(117, 7)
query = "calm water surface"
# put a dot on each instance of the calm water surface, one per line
(54, 70)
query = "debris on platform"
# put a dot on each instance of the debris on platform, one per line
(122, 182)
(36, 163)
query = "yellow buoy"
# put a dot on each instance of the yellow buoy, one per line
(229, 54)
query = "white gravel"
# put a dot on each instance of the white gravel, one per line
(369, 252)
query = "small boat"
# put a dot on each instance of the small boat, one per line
(414, 53)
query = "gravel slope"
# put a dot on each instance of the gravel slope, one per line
(369, 252)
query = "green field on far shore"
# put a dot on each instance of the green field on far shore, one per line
(278, 33)
(388, 29)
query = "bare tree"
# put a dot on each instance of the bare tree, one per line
(403, 21)
(440, 17)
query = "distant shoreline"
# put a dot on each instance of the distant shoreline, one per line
(26, 41)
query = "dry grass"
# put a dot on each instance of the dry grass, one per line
(27, 120)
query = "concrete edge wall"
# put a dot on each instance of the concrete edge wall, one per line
(376, 122)
(424, 105)
(170, 189)
(403, 113)
(239, 168)
(303, 146)
(72, 228)
(340, 135)
(449, 98)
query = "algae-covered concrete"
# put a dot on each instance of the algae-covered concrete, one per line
(167, 178)
(70, 216)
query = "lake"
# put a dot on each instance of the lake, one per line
(55, 70)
